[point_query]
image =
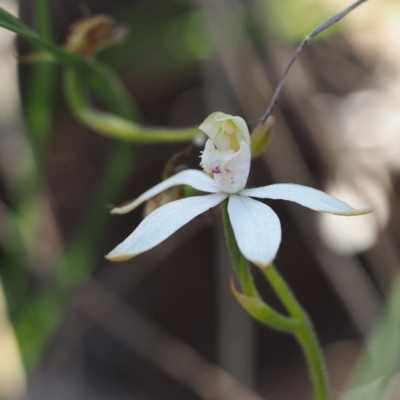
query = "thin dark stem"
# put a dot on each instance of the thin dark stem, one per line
(325, 25)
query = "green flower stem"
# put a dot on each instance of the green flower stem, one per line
(252, 301)
(304, 332)
(297, 324)
(114, 126)
(240, 264)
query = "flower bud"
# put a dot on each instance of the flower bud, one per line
(88, 35)
(172, 167)
(171, 194)
(261, 137)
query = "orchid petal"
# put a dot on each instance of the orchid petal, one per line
(257, 229)
(197, 179)
(230, 170)
(213, 124)
(307, 197)
(162, 223)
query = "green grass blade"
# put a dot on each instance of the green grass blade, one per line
(13, 24)
(40, 95)
(26, 208)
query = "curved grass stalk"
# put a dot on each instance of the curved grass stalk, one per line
(114, 126)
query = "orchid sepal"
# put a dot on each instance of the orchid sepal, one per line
(162, 223)
(307, 197)
(192, 177)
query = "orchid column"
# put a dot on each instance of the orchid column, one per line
(252, 229)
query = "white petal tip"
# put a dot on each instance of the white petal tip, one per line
(119, 257)
(354, 212)
(262, 265)
(121, 210)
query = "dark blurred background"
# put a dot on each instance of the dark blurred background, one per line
(165, 325)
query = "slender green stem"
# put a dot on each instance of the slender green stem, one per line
(108, 124)
(240, 264)
(114, 126)
(251, 300)
(304, 332)
(298, 323)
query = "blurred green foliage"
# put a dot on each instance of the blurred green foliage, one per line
(293, 20)
(37, 312)
(172, 36)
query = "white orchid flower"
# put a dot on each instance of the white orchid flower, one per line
(226, 162)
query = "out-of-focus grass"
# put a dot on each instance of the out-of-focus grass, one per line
(36, 314)
(38, 112)
(40, 95)
(170, 38)
(293, 20)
